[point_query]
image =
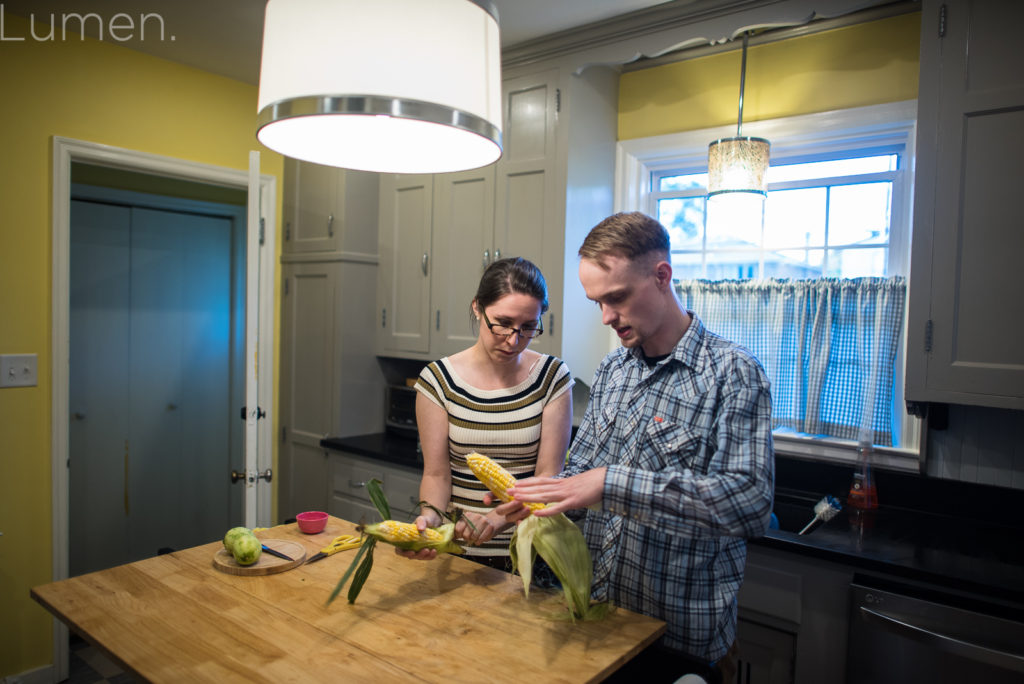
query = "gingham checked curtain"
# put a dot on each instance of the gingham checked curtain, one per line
(828, 346)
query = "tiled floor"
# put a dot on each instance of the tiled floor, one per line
(89, 666)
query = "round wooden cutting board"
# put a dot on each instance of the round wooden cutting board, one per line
(267, 563)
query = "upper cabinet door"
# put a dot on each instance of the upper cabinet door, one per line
(462, 246)
(530, 199)
(966, 279)
(313, 207)
(403, 283)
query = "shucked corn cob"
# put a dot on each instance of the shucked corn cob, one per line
(496, 478)
(394, 531)
(407, 536)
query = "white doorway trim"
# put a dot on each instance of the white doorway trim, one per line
(66, 151)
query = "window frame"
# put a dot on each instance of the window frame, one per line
(640, 160)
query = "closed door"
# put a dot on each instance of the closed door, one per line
(153, 382)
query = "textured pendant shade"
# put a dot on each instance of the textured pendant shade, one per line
(738, 164)
(398, 86)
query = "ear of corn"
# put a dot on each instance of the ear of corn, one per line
(555, 538)
(496, 478)
(407, 536)
(403, 535)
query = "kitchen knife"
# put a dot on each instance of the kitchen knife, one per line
(272, 552)
(340, 543)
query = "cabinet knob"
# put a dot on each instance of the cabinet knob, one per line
(356, 484)
(423, 264)
(487, 257)
(330, 226)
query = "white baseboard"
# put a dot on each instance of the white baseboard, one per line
(40, 675)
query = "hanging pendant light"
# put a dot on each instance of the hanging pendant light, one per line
(398, 86)
(738, 164)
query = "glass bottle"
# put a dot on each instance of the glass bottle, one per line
(863, 494)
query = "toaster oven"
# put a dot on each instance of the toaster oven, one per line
(400, 416)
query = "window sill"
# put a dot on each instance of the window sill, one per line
(845, 452)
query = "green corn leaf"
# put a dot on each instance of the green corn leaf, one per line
(434, 508)
(367, 546)
(359, 579)
(378, 498)
(522, 552)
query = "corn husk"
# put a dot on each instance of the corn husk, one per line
(560, 543)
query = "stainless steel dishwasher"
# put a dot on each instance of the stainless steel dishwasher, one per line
(921, 635)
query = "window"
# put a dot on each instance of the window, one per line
(835, 225)
(822, 218)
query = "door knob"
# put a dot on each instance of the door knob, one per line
(267, 475)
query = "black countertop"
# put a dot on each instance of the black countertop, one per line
(957, 535)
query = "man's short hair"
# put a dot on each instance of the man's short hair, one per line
(631, 235)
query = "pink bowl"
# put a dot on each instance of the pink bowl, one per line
(311, 522)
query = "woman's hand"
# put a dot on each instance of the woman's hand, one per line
(483, 527)
(422, 522)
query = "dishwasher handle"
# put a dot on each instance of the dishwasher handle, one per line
(946, 642)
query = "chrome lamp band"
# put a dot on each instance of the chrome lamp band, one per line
(375, 105)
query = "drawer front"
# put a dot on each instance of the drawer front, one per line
(402, 488)
(349, 477)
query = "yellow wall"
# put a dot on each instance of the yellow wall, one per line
(100, 93)
(856, 66)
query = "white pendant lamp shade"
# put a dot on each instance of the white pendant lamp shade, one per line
(738, 165)
(395, 86)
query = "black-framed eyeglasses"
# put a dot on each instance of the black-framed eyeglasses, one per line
(507, 331)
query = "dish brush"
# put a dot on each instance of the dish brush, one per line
(824, 511)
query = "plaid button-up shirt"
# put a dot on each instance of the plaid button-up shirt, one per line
(688, 446)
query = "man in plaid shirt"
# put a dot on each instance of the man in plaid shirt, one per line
(673, 461)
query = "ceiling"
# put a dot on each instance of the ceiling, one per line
(224, 36)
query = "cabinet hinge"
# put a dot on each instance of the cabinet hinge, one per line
(384, 318)
(437, 323)
(284, 432)
(263, 226)
(286, 286)
(942, 20)
(558, 100)
(287, 231)
(928, 336)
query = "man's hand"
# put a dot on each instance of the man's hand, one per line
(561, 495)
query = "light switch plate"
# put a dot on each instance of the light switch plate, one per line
(18, 370)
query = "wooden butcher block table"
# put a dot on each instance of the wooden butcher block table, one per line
(178, 618)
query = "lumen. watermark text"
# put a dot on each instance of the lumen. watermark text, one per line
(63, 26)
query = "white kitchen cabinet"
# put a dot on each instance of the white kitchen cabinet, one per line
(349, 499)
(326, 209)
(528, 209)
(330, 383)
(552, 184)
(403, 280)
(436, 238)
(463, 246)
(965, 314)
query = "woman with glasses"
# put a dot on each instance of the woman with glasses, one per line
(498, 398)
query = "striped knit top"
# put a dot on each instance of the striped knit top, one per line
(503, 424)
